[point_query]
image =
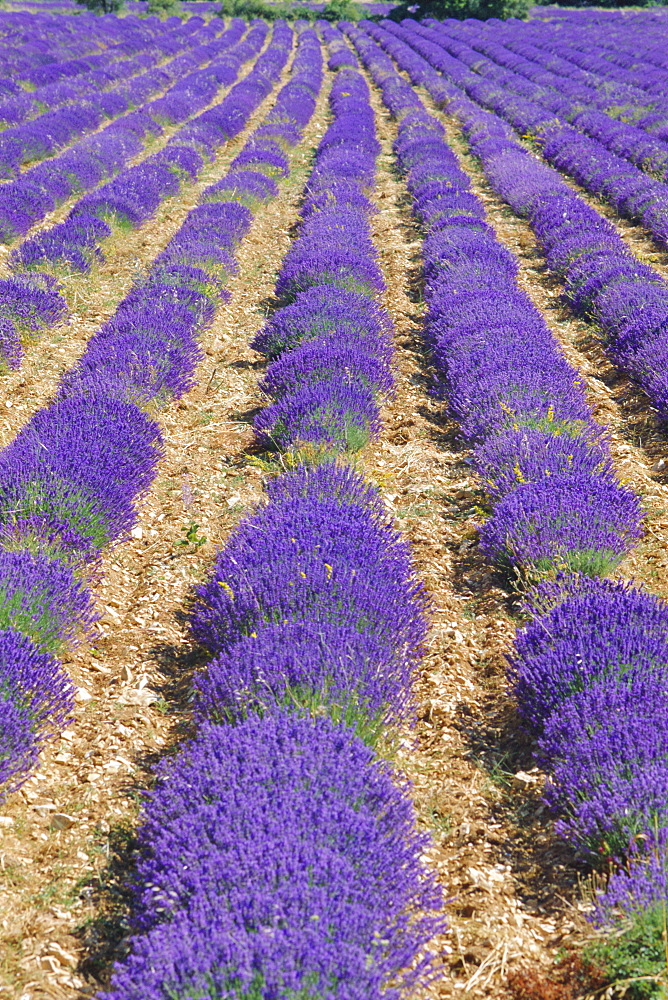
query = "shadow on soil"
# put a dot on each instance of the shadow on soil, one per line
(547, 871)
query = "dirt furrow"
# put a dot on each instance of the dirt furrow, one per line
(511, 886)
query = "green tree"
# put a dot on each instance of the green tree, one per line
(103, 6)
(269, 11)
(342, 10)
(164, 8)
(482, 9)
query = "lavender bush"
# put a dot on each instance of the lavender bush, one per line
(36, 699)
(278, 857)
(353, 569)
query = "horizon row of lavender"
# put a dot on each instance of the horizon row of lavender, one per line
(87, 162)
(32, 301)
(57, 102)
(135, 192)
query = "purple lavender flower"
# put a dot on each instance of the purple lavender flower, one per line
(579, 522)
(337, 195)
(513, 457)
(245, 186)
(11, 349)
(585, 629)
(35, 140)
(318, 554)
(73, 242)
(133, 196)
(43, 598)
(326, 360)
(323, 260)
(325, 413)
(228, 221)
(22, 203)
(135, 367)
(303, 665)
(327, 311)
(270, 160)
(292, 854)
(82, 462)
(36, 700)
(31, 301)
(639, 886)
(606, 751)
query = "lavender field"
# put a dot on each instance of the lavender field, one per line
(333, 506)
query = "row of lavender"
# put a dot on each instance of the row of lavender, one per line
(278, 856)
(590, 669)
(83, 112)
(86, 163)
(330, 343)
(70, 480)
(145, 46)
(39, 48)
(604, 280)
(31, 301)
(134, 193)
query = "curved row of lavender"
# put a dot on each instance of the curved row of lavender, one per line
(149, 350)
(84, 112)
(143, 47)
(616, 161)
(604, 280)
(278, 855)
(36, 49)
(135, 192)
(329, 343)
(589, 670)
(85, 164)
(548, 79)
(32, 301)
(70, 480)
